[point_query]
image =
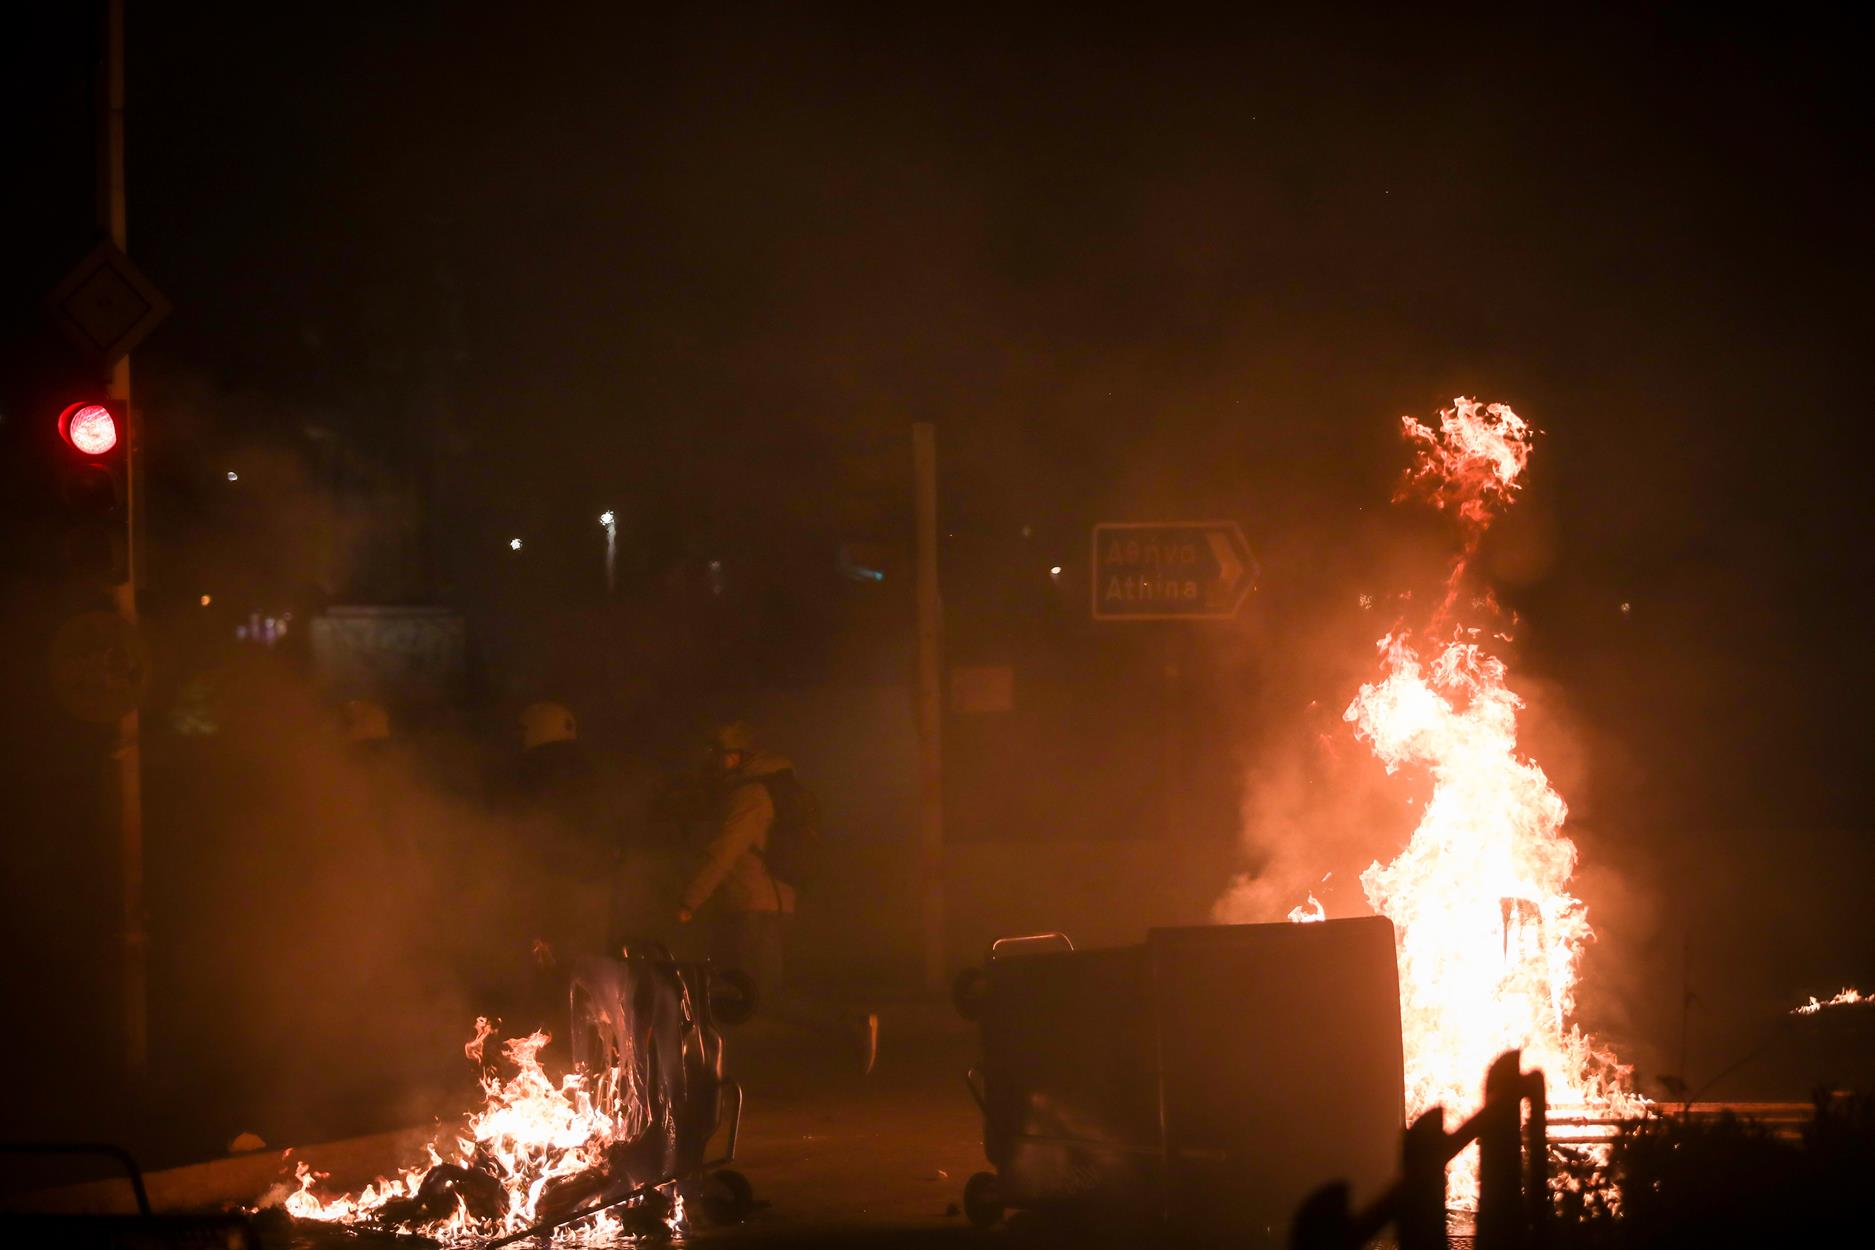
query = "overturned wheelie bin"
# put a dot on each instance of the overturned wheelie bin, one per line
(1205, 1081)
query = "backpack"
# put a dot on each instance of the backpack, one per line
(794, 837)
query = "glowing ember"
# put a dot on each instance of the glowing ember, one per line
(530, 1133)
(1843, 999)
(1309, 912)
(1490, 938)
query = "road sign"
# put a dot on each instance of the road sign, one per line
(1170, 570)
(106, 305)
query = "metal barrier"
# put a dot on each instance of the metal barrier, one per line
(102, 1150)
(1513, 1177)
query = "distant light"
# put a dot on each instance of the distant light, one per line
(514, 544)
(1054, 570)
(233, 476)
(91, 428)
(1626, 608)
(606, 517)
(207, 599)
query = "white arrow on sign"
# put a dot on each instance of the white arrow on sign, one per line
(1156, 571)
(1229, 567)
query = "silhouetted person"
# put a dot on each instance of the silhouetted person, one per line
(371, 779)
(751, 909)
(554, 775)
(565, 852)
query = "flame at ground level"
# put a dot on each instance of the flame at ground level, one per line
(530, 1133)
(1845, 998)
(1490, 938)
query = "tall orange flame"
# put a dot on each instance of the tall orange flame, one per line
(1490, 938)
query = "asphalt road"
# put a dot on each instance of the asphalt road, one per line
(836, 1156)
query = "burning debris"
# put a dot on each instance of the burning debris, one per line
(1490, 938)
(1845, 998)
(1309, 912)
(605, 1153)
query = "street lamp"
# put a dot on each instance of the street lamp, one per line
(610, 522)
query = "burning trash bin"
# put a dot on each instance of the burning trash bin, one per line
(1208, 1079)
(617, 1147)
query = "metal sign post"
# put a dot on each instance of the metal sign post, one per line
(129, 752)
(930, 705)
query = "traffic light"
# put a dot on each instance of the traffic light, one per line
(95, 492)
(89, 428)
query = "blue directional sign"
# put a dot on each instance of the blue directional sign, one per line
(1170, 570)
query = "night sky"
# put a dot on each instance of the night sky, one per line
(704, 267)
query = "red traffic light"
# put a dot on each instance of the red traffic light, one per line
(89, 427)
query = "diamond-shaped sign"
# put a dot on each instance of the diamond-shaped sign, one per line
(106, 305)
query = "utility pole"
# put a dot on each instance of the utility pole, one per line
(128, 752)
(930, 705)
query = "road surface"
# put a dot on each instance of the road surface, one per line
(835, 1156)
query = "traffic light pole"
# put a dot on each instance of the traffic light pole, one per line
(128, 754)
(930, 706)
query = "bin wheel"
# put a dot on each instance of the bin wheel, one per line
(983, 1205)
(733, 996)
(741, 1193)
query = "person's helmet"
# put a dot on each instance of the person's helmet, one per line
(542, 723)
(365, 720)
(737, 735)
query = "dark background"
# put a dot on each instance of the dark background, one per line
(447, 274)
